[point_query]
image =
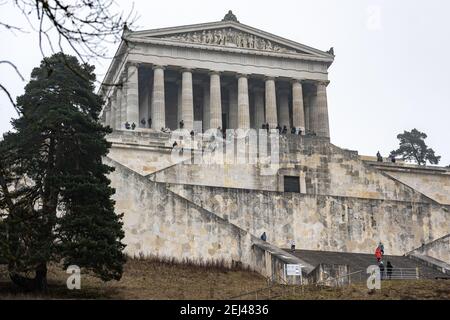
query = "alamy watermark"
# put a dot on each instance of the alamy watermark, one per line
(373, 22)
(235, 146)
(74, 280)
(374, 280)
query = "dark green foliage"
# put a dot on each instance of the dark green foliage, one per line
(413, 148)
(55, 197)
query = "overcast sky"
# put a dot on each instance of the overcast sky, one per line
(391, 71)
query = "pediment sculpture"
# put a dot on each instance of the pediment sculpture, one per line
(232, 38)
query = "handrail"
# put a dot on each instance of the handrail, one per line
(349, 274)
(277, 276)
(270, 285)
(249, 293)
(339, 277)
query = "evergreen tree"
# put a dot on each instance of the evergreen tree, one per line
(55, 197)
(413, 148)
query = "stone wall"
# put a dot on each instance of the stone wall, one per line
(323, 169)
(158, 222)
(193, 211)
(438, 249)
(332, 275)
(328, 223)
(435, 185)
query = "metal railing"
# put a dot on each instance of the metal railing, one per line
(395, 274)
(401, 274)
(337, 280)
(267, 292)
(278, 287)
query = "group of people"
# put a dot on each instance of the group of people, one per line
(282, 130)
(128, 126)
(379, 254)
(291, 242)
(380, 158)
(144, 122)
(265, 126)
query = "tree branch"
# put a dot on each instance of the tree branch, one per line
(10, 98)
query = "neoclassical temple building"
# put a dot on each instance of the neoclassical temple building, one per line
(217, 75)
(321, 197)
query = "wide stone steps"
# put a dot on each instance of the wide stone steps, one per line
(361, 261)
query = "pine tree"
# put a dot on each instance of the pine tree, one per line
(55, 198)
(413, 148)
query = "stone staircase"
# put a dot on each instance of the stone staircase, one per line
(360, 262)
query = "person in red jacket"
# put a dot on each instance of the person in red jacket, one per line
(378, 254)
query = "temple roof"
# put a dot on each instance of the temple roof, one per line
(228, 33)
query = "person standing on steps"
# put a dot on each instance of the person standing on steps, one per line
(378, 254)
(381, 246)
(292, 243)
(381, 266)
(389, 268)
(264, 236)
(379, 157)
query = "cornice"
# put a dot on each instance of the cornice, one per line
(234, 50)
(235, 25)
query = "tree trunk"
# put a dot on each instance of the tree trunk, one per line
(41, 277)
(37, 284)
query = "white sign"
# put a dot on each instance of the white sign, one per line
(293, 270)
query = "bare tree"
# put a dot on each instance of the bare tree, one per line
(84, 26)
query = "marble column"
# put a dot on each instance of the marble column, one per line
(112, 120)
(298, 110)
(321, 106)
(259, 107)
(132, 95)
(158, 99)
(233, 112)
(283, 95)
(215, 101)
(206, 109)
(187, 100)
(271, 103)
(243, 103)
(107, 112)
(118, 117)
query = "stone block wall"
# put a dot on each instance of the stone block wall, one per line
(158, 222)
(435, 185)
(437, 249)
(328, 223)
(204, 212)
(322, 168)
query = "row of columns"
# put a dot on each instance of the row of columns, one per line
(124, 106)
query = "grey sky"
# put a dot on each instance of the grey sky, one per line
(390, 74)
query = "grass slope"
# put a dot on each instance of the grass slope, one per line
(153, 279)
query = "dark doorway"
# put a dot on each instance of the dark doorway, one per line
(291, 184)
(224, 121)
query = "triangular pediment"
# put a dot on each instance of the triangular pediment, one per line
(230, 34)
(231, 37)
